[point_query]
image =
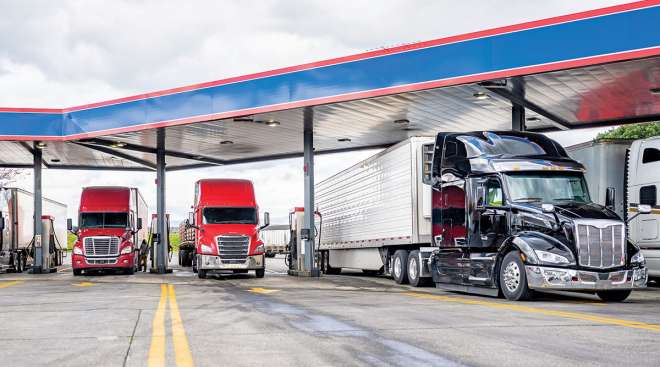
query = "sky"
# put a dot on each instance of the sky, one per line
(65, 53)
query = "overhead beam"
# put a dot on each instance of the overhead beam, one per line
(117, 153)
(604, 123)
(16, 165)
(277, 157)
(555, 120)
(98, 168)
(169, 153)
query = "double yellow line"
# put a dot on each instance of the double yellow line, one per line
(182, 354)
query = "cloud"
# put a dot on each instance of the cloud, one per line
(64, 53)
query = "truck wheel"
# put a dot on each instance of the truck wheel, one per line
(415, 270)
(513, 279)
(400, 266)
(77, 272)
(260, 273)
(130, 271)
(201, 273)
(614, 296)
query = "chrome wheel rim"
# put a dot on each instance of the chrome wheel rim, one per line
(397, 267)
(512, 276)
(412, 270)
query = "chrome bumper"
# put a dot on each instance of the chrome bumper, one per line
(208, 262)
(542, 277)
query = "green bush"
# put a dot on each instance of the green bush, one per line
(632, 132)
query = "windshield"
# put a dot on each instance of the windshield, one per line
(103, 220)
(229, 215)
(552, 188)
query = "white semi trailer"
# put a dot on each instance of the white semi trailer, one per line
(378, 205)
(622, 174)
(276, 238)
(17, 224)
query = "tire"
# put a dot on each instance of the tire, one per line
(260, 273)
(614, 296)
(415, 270)
(513, 279)
(77, 272)
(131, 270)
(201, 273)
(400, 266)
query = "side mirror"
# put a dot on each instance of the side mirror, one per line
(2, 222)
(548, 208)
(644, 209)
(481, 197)
(139, 224)
(266, 219)
(69, 224)
(610, 197)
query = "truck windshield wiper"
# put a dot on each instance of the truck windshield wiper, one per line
(527, 200)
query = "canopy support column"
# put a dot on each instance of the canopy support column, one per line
(309, 225)
(517, 117)
(161, 220)
(40, 264)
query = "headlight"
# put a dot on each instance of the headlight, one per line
(549, 257)
(260, 248)
(77, 251)
(126, 250)
(207, 249)
(638, 258)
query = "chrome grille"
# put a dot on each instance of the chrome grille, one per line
(101, 246)
(233, 249)
(601, 244)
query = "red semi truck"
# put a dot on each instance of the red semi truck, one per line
(225, 219)
(110, 230)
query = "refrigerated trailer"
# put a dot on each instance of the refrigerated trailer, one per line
(622, 174)
(377, 207)
(276, 238)
(487, 212)
(17, 224)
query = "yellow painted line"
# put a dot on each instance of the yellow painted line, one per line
(542, 311)
(83, 284)
(263, 290)
(157, 350)
(182, 353)
(9, 284)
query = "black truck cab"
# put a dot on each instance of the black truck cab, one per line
(511, 214)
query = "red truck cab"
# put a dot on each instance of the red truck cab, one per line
(226, 221)
(110, 229)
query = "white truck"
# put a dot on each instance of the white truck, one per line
(376, 206)
(622, 174)
(276, 238)
(17, 225)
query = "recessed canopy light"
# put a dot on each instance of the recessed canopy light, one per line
(533, 119)
(402, 122)
(55, 160)
(655, 90)
(41, 144)
(118, 144)
(113, 157)
(480, 95)
(244, 119)
(344, 140)
(225, 142)
(272, 123)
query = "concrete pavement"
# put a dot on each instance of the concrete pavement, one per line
(351, 320)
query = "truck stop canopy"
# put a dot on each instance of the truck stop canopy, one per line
(594, 68)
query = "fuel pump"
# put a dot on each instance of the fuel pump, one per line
(299, 235)
(155, 239)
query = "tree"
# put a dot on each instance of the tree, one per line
(632, 132)
(10, 175)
